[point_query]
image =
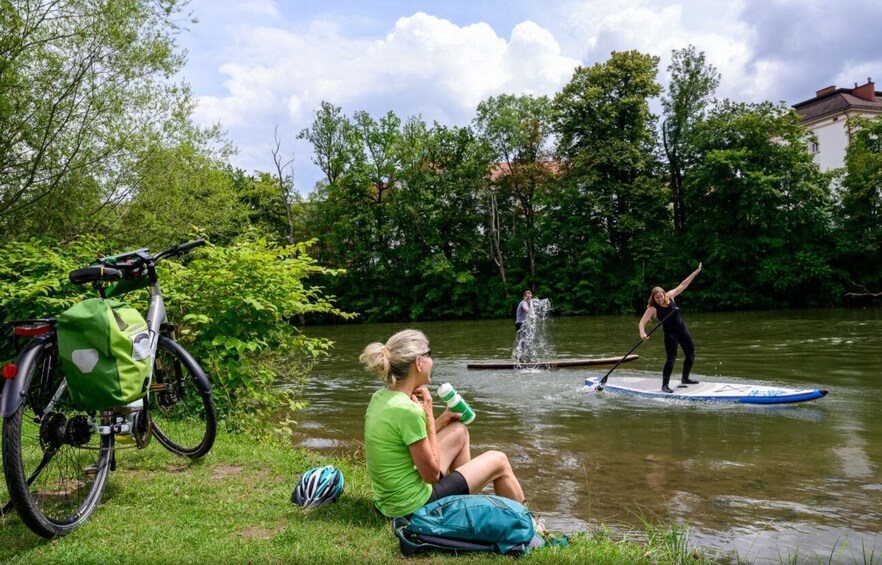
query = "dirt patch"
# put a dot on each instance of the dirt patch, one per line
(226, 471)
(177, 468)
(258, 533)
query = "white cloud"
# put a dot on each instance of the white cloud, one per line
(533, 62)
(259, 63)
(425, 65)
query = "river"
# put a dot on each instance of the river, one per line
(753, 483)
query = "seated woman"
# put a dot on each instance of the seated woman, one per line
(412, 457)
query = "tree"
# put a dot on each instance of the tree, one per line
(861, 205)
(331, 137)
(436, 214)
(83, 85)
(176, 189)
(518, 131)
(692, 84)
(351, 209)
(607, 138)
(288, 196)
(258, 196)
(760, 210)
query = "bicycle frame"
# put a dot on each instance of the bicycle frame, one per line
(14, 388)
(12, 392)
(56, 493)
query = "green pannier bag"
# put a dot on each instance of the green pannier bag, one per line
(104, 346)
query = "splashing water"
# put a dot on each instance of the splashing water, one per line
(531, 342)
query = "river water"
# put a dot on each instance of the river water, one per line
(753, 483)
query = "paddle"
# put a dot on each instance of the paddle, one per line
(602, 381)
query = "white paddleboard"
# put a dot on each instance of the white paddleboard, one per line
(707, 391)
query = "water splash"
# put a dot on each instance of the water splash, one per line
(531, 342)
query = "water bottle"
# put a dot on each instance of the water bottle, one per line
(456, 404)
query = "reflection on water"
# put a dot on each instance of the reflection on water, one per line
(767, 482)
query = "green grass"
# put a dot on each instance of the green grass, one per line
(234, 507)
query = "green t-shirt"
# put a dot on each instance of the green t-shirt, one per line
(393, 422)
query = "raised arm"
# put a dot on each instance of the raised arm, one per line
(682, 286)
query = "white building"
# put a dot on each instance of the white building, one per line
(826, 113)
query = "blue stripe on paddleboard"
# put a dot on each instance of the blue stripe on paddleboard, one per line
(744, 399)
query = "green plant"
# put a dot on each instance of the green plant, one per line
(239, 307)
(33, 279)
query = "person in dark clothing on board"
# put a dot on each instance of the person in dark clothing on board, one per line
(662, 306)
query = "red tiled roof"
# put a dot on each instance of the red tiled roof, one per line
(502, 169)
(837, 101)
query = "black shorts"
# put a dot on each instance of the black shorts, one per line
(449, 485)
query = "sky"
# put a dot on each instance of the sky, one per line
(254, 65)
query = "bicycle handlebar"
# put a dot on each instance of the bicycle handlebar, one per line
(180, 249)
(128, 265)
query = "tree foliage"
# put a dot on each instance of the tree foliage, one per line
(607, 136)
(236, 308)
(517, 131)
(692, 84)
(582, 197)
(759, 209)
(861, 204)
(83, 84)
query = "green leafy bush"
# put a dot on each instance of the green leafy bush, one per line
(235, 308)
(33, 280)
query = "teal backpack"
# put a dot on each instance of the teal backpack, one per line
(104, 347)
(468, 523)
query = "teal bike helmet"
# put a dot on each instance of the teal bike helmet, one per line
(318, 486)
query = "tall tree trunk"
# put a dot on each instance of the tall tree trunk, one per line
(495, 242)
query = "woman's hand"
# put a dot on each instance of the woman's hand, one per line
(447, 417)
(423, 397)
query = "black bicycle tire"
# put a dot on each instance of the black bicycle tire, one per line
(17, 483)
(210, 414)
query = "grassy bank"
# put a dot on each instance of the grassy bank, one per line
(234, 507)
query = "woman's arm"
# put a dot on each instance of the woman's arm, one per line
(682, 286)
(425, 453)
(641, 326)
(427, 458)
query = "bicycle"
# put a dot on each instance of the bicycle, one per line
(56, 457)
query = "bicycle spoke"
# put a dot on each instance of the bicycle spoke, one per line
(56, 467)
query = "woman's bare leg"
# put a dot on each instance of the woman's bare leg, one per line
(453, 441)
(492, 466)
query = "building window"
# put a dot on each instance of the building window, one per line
(815, 148)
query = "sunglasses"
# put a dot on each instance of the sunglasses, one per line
(428, 353)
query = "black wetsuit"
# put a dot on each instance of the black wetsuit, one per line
(676, 333)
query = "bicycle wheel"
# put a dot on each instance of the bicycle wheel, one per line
(55, 466)
(184, 417)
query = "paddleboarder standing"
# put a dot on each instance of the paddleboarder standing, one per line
(523, 311)
(523, 337)
(661, 305)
